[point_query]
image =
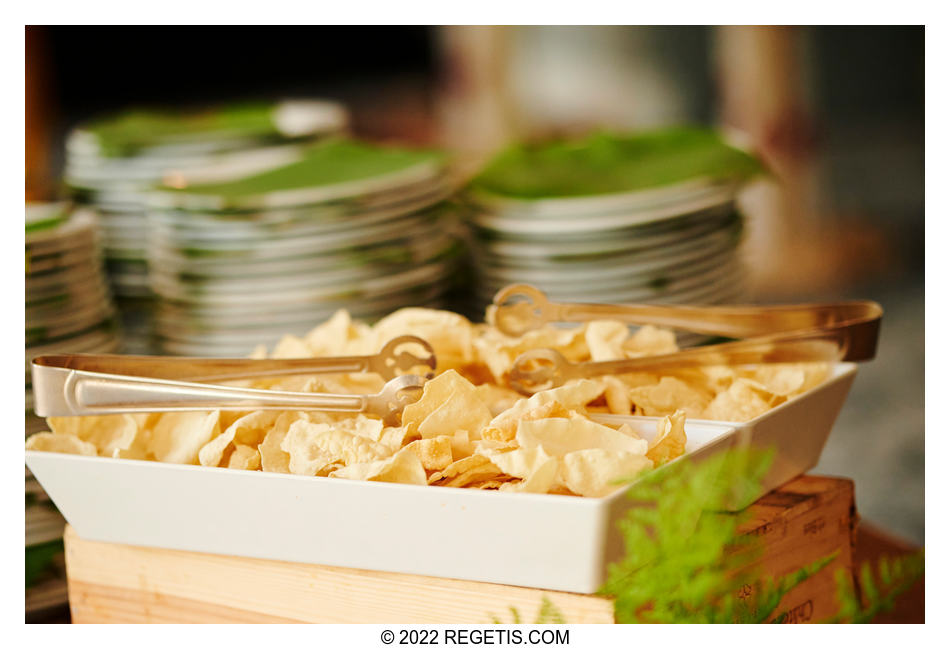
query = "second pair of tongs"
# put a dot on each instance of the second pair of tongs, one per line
(844, 331)
(101, 384)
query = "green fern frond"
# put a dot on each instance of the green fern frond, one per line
(548, 613)
(876, 595)
(685, 560)
(683, 553)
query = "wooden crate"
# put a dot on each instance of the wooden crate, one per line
(809, 518)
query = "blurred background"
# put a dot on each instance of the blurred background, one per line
(837, 113)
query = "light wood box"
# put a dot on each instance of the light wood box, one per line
(801, 522)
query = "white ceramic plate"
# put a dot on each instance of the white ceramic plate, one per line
(607, 250)
(603, 222)
(696, 190)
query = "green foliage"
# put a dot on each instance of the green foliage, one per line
(772, 592)
(39, 560)
(684, 555)
(686, 562)
(548, 613)
(876, 593)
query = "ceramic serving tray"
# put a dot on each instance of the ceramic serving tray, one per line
(543, 541)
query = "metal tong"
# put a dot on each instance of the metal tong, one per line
(843, 331)
(99, 384)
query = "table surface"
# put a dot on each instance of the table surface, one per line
(873, 542)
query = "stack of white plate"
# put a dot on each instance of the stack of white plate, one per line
(43, 522)
(238, 263)
(68, 309)
(112, 163)
(68, 302)
(45, 568)
(641, 218)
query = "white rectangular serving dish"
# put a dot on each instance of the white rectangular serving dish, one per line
(542, 541)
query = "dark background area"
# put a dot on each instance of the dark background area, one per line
(92, 71)
(107, 68)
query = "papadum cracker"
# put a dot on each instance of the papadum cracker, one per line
(667, 396)
(244, 457)
(670, 440)
(518, 463)
(274, 458)
(744, 400)
(605, 339)
(463, 410)
(561, 436)
(617, 396)
(248, 430)
(435, 453)
(178, 436)
(404, 467)
(59, 443)
(469, 428)
(650, 341)
(109, 434)
(487, 471)
(592, 472)
(314, 446)
(458, 467)
(435, 393)
(573, 395)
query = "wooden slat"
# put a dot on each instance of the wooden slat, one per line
(302, 592)
(807, 519)
(98, 604)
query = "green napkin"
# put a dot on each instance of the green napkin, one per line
(328, 163)
(606, 163)
(128, 133)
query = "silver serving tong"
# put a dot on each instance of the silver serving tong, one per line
(844, 331)
(98, 384)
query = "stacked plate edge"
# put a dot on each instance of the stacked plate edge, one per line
(68, 308)
(112, 163)
(241, 261)
(646, 217)
(68, 302)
